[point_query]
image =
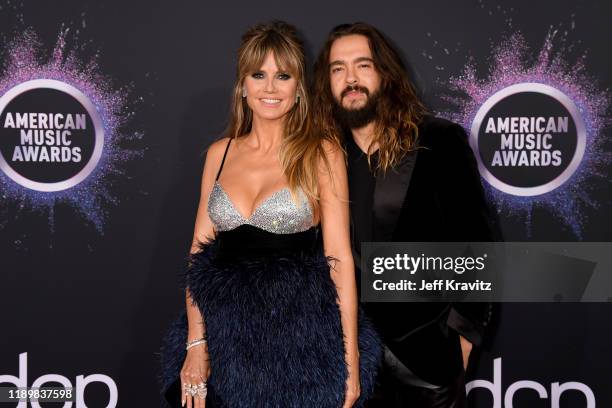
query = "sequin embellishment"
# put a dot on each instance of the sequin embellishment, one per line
(278, 213)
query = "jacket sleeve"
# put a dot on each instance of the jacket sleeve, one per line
(467, 219)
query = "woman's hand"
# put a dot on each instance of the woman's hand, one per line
(195, 371)
(353, 388)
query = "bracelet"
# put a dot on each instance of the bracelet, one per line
(194, 343)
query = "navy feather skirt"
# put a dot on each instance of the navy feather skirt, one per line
(272, 322)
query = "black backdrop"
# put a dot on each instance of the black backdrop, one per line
(81, 302)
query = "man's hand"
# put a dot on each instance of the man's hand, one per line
(466, 349)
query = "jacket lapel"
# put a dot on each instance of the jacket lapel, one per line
(389, 194)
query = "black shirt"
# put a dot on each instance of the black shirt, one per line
(361, 181)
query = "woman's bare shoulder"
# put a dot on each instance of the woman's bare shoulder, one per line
(218, 147)
(216, 151)
(214, 155)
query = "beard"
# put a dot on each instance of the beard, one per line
(357, 118)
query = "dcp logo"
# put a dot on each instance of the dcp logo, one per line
(78, 387)
(506, 399)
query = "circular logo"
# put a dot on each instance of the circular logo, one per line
(528, 138)
(51, 136)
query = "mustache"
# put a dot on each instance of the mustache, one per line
(358, 88)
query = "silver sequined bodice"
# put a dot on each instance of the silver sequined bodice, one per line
(278, 213)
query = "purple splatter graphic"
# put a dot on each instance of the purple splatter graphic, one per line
(511, 63)
(24, 60)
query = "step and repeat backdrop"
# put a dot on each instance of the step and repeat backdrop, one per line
(106, 109)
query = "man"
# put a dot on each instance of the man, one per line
(412, 177)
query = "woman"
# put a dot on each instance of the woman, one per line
(271, 314)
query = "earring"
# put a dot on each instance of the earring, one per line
(244, 94)
(297, 98)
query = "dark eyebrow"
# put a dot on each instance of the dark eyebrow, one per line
(278, 71)
(362, 59)
(357, 60)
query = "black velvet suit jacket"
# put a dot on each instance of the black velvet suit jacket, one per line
(433, 195)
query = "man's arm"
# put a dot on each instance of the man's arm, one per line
(468, 217)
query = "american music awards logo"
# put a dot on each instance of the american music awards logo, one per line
(62, 129)
(536, 128)
(51, 136)
(528, 138)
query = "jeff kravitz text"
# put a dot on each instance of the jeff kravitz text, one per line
(432, 265)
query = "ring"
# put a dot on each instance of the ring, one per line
(190, 389)
(201, 390)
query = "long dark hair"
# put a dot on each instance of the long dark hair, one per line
(399, 111)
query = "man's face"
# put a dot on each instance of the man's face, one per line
(353, 75)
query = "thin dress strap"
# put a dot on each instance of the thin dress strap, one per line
(223, 160)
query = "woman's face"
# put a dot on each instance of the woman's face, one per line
(271, 92)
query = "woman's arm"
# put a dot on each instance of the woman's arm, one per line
(203, 231)
(196, 368)
(335, 225)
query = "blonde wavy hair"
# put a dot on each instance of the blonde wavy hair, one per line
(301, 151)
